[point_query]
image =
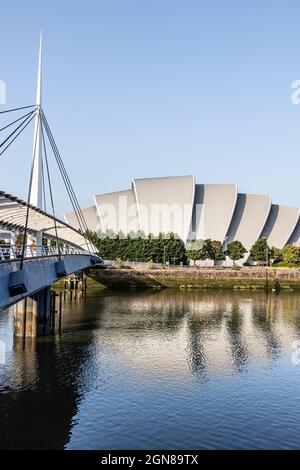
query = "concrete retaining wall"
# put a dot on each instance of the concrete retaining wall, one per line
(190, 277)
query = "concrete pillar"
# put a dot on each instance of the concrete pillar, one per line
(25, 318)
(32, 316)
(20, 318)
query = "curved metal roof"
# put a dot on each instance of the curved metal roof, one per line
(13, 217)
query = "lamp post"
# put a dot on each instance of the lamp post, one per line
(225, 249)
(267, 264)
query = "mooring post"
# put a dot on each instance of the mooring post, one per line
(52, 311)
(60, 310)
(85, 286)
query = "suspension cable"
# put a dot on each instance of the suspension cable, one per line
(51, 194)
(42, 121)
(14, 122)
(77, 210)
(69, 187)
(43, 186)
(29, 192)
(17, 128)
(17, 109)
(65, 176)
(1, 153)
(55, 151)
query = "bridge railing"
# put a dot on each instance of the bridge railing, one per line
(12, 252)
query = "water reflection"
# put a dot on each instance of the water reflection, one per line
(263, 321)
(130, 369)
(235, 326)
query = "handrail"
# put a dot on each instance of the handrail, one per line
(11, 252)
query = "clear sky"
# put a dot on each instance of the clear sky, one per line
(136, 88)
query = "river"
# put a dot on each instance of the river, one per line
(156, 370)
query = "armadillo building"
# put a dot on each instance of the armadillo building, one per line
(193, 211)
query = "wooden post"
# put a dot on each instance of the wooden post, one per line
(60, 310)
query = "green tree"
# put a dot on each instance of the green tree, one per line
(217, 251)
(260, 251)
(291, 255)
(275, 254)
(175, 249)
(207, 250)
(235, 251)
(138, 247)
(193, 250)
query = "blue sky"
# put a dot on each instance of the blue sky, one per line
(154, 88)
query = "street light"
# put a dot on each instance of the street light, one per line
(225, 249)
(267, 264)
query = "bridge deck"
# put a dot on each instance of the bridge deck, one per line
(41, 273)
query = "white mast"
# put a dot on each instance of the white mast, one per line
(36, 193)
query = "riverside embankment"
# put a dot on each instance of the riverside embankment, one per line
(203, 278)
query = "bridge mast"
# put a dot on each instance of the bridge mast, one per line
(36, 193)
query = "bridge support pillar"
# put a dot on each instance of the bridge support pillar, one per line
(33, 316)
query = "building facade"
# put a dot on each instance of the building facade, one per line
(193, 211)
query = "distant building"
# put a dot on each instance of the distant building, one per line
(193, 211)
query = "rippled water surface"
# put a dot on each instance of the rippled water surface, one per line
(156, 370)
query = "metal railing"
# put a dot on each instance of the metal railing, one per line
(14, 252)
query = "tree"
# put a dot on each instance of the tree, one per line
(275, 254)
(260, 251)
(138, 247)
(217, 252)
(211, 249)
(291, 255)
(193, 250)
(175, 249)
(207, 250)
(235, 251)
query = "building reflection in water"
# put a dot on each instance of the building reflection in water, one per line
(179, 336)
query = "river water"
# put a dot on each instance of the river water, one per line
(156, 370)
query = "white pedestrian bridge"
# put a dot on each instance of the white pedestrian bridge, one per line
(26, 270)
